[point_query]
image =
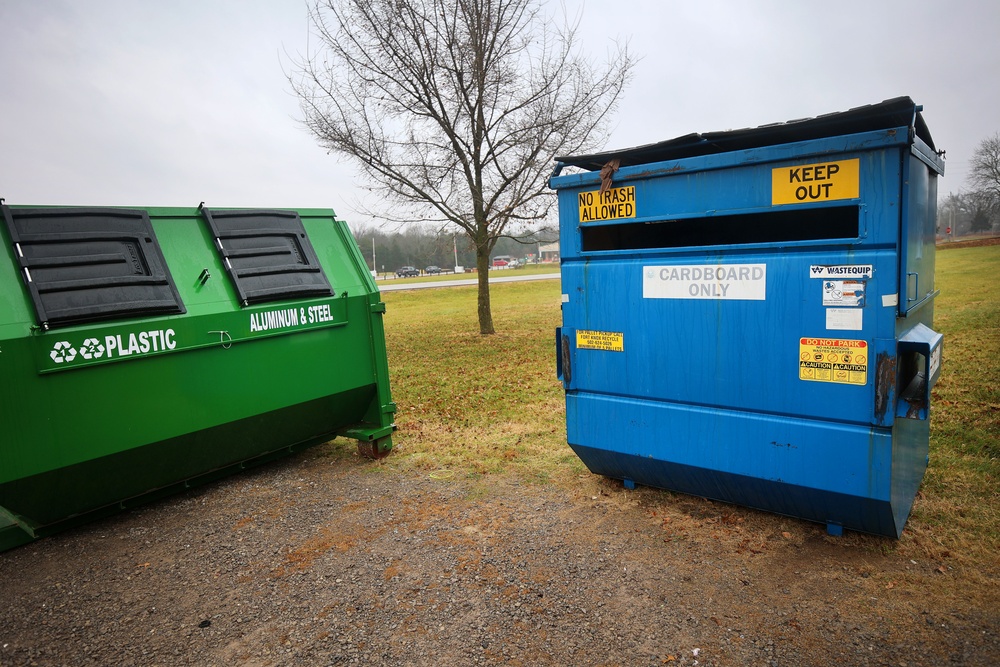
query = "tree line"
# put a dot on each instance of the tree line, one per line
(418, 246)
(975, 210)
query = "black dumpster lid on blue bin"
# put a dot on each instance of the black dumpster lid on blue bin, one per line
(897, 112)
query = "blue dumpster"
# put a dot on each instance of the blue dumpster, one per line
(747, 315)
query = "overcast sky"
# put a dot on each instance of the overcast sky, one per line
(143, 102)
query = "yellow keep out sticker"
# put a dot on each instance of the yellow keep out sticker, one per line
(823, 181)
(612, 341)
(833, 360)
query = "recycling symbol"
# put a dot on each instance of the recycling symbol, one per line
(62, 352)
(91, 349)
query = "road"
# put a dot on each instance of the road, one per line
(465, 281)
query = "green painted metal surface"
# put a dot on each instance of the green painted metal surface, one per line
(100, 415)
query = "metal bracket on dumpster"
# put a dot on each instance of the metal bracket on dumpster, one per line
(564, 362)
(374, 442)
(12, 522)
(919, 367)
(367, 432)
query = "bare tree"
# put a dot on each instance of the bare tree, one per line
(454, 109)
(966, 213)
(983, 199)
(984, 173)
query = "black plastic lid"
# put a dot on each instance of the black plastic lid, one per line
(90, 264)
(897, 112)
(267, 254)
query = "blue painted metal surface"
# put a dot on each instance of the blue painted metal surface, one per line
(748, 317)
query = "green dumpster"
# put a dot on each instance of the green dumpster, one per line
(145, 350)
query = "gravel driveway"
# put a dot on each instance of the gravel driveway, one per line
(325, 560)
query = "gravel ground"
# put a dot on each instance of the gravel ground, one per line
(320, 560)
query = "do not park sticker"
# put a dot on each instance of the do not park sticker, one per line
(833, 360)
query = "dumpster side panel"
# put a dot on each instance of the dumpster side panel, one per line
(125, 475)
(918, 235)
(795, 467)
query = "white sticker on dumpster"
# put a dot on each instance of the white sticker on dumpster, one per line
(843, 293)
(742, 282)
(841, 271)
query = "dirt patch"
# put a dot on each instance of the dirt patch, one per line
(320, 561)
(968, 243)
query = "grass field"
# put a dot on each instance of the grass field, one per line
(474, 405)
(959, 504)
(477, 407)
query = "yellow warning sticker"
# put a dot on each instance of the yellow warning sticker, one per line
(611, 341)
(823, 181)
(612, 204)
(833, 360)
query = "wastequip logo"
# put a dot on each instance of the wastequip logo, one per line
(114, 346)
(841, 271)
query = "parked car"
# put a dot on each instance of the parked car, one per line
(432, 270)
(407, 272)
(501, 261)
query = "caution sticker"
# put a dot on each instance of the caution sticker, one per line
(843, 293)
(612, 204)
(833, 360)
(612, 341)
(823, 181)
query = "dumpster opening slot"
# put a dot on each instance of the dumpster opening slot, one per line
(840, 222)
(90, 264)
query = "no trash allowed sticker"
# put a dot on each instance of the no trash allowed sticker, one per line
(833, 360)
(612, 204)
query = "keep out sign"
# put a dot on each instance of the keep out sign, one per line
(822, 181)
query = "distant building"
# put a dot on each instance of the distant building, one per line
(549, 252)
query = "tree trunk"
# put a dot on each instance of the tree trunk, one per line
(483, 272)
